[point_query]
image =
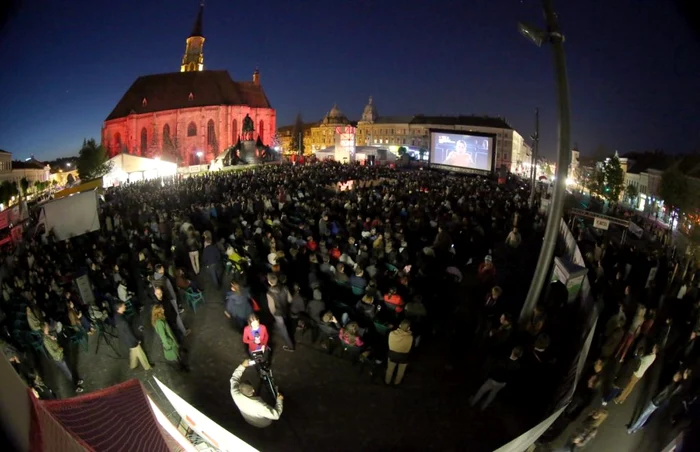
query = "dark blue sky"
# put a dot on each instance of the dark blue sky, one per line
(633, 65)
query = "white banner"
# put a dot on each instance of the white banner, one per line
(636, 230)
(212, 432)
(601, 223)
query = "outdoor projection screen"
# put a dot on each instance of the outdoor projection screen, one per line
(461, 150)
(72, 216)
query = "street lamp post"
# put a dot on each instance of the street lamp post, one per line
(554, 36)
(535, 149)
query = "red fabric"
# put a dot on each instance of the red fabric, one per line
(346, 339)
(335, 253)
(255, 305)
(87, 422)
(249, 339)
(312, 245)
(395, 300)
(486, 274)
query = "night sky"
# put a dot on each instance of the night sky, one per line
(633, 66)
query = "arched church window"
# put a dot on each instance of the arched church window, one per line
(211, 136)
(118, 140)
(166, 134)
(192, 130)
(261, 128)
(234, 131)
(144, 141)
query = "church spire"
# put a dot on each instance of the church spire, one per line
(197, 29)
(194, 54)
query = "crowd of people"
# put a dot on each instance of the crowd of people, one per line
(369, 273)
(649, 318)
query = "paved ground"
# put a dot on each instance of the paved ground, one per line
(612, 435)
(329, 403)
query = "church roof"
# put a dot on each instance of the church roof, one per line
(152, 93)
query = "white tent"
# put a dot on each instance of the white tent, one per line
(132, 168)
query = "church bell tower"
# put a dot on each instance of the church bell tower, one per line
(194, 53)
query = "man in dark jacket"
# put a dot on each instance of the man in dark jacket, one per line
(503, 372)
(211, 260)
(126, 336)
(279, 300)
(237, 305)
(661, 399)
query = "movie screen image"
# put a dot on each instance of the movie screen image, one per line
(462, 150)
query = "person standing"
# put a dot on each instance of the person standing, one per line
(279, 300)
(502, 373)
(660, 400)
(400, 344)
(644, 363)
(211, 260)
(193, 246)
(171, 349)
(171, 312)
(126, 335)
(253, 409)
(56, 353)
(237, 305)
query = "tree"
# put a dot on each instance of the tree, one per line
(674, 189)
(93, 161)
(402, 151)
(276, 142)
(597, 182)
(7, 191)
(631, 192)
(614, 179)
(24, 183)
(296, 144)
(70, 180)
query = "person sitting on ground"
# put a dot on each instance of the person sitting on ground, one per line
(253, 409)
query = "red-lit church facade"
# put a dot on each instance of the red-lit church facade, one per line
(188, 117)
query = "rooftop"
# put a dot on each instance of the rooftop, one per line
(31, 163)
(171, 91)
(476, 121)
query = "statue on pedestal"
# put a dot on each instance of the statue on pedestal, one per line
(248, 129)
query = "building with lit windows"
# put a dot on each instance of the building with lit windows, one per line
(190, 116)
(412, 132)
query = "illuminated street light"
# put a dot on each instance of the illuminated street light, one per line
(200, 153)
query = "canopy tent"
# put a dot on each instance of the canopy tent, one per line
(132, 168)
(116, 418)
(71, 216)
(93, 184)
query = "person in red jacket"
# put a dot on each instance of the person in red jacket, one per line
(255, 335)
(395, 300)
